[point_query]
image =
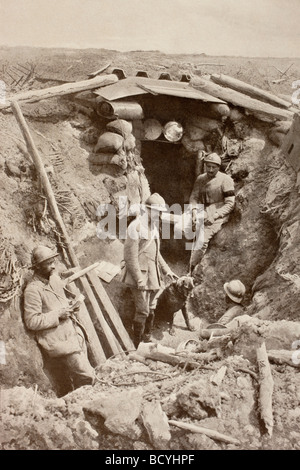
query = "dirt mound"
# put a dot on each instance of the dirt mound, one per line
(113, 414)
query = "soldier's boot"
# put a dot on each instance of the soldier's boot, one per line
(148, 327)
(138, 330)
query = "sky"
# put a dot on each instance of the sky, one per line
(268, 28)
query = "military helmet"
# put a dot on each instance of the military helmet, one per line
(156, 202)
(235, 290)
(213, 158)
(41, 253)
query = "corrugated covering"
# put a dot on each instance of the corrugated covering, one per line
(133, 86)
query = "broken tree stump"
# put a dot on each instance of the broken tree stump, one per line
(33, 96)
(266, 386)
(202, 430)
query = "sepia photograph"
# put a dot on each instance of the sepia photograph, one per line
(149, 228)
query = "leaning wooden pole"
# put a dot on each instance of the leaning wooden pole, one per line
(95, 344)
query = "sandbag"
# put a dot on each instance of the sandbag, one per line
(236, 115)
(204, 123)
(276, 137)
(129, 143)
(109, 142)
(192, 146)
(195, 133)
(109, 159)
(120, 126)
(219, 110)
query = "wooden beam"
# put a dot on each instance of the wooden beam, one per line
(263, 111)
(266, 386)
(96, 348)
(249, 90)
(33, 96)
(111, 311)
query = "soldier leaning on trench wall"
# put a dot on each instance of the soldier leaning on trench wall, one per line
(52, 317)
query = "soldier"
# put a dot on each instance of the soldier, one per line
(215, 190)
(234, 295)
(50, 314)
(143, 266)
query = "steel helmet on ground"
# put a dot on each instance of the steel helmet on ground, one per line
(213, 158)
(41, 253)
(155, 201)
(235, 290)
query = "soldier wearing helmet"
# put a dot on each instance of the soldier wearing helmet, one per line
(234, 295)
(215, 190)
(144, 264)
(49, 313)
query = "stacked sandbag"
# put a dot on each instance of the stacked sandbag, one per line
(196, 130)
(115, 144)
(278, 131)
(119, 159)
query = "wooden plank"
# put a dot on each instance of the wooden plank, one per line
(96, 348)
(263, 111)
(266, 386)
(247, 89)
(33, 96)
(111, 311)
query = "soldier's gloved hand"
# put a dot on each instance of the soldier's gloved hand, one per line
(64, 313)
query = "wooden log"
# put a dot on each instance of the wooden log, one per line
(111, 311)
(94, 74)
(266, 388)
(202, 430)
(96, 348)
(250, 90)
(33, 96)
(256, 107)
(120, 109)
(282, 356)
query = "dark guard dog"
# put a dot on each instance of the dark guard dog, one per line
(172, 299)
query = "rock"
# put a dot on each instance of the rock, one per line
(120, 411)
(242, 382)
(218, 377)
(199, 442)
(156, 423)
(85, 436)
(199, 400)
